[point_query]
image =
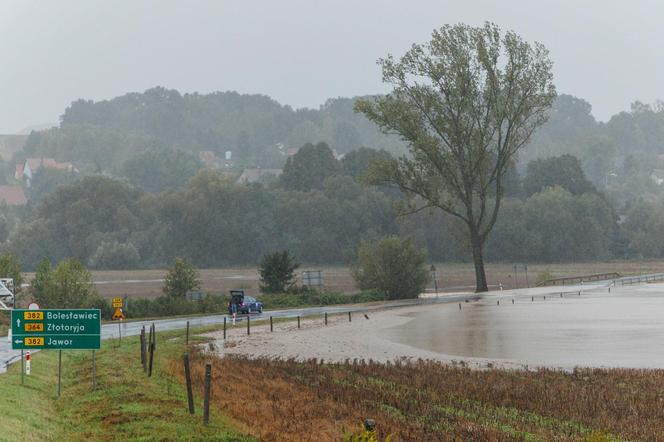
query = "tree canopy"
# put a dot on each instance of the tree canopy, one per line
(277, 272)
(181, 278)
(157, 170)
(564, 171)
(309, 167)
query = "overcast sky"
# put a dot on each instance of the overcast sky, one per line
(300, 52)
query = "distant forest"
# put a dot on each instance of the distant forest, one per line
(105, 134)
(142, 192)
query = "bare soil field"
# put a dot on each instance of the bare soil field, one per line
(451, 277)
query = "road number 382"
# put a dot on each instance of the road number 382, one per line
(34, 341)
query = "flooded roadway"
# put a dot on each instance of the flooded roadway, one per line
(621, 329)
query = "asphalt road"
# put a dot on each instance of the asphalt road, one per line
(110, 331)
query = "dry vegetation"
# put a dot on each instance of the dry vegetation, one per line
(286, 400)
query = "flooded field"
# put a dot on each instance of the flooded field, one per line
(624, 329)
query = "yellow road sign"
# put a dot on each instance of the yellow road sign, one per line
(118, 315)
(33, 315)
(34, 341)
(34, 326)
(117, 302)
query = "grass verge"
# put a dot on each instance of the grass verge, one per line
(127, 405)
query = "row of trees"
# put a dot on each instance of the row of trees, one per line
(214, 222)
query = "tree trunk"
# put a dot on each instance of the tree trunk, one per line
(480, 276)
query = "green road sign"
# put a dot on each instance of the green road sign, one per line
(72, 329)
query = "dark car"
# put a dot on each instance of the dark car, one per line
(245, 304)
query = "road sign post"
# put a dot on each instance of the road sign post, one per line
(72, 329)
(118, 304)
(59, 371)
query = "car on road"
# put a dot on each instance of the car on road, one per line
(245, 304)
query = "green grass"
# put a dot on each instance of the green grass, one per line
(317, 298)
(127, 405)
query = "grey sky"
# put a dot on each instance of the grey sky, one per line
(300, 52)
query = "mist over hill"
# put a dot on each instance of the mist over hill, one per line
(258, 131)
(254, 128)
(148, 176)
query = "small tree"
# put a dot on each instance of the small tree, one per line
(181, 278)
(394, 266)
(69, 285)
(277, 272)
(10, 267)
(39, 286)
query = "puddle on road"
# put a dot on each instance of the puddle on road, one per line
(613, 331)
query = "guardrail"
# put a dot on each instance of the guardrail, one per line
(628, 280)
(579, 279)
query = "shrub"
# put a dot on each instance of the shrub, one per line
(105, 306)
(171, 306)
(393, 265)
(277, 272)
(313, 297)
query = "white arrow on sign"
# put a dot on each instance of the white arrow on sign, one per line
(18, 341)
(18, 323)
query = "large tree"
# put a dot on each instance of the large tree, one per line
(465, 103)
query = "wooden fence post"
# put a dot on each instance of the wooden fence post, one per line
(141, 340)
(206, 398)
(59, 371)
(187, 376)
(152, 347)
(94, 372)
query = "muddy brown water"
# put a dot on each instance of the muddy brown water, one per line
(618, 330)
